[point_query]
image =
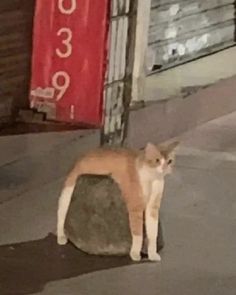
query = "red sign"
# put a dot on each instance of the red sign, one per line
(69, 51)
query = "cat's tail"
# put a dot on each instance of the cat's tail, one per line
(64, 203)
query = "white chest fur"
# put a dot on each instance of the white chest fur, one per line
(152, 184)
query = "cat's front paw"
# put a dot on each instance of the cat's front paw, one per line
(135, 256)
(154, 256)
(62, 240)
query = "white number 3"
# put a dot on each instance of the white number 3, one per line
(63, 86)
(66, 42)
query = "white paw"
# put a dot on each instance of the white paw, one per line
(135, 256)
(154, 257)
(62, 240)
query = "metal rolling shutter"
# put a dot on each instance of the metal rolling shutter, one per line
(183, 30)
(16, 17)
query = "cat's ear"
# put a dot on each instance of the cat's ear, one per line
(150, 149)
(169, 148)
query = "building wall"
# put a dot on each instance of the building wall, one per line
(181, 30)
(16, 23)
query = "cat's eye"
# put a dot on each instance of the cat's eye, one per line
(157, 161)
(170, 162)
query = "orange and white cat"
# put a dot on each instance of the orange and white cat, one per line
(140, 176)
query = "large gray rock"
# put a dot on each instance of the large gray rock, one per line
(97, 220)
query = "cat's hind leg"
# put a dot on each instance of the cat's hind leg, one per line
(63, 206)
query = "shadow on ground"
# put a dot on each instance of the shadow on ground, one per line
(25, 268)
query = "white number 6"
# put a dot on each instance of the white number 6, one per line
(66, 42)
(67, 10)
(60, 87)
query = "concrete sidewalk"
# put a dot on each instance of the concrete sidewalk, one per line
(199, 219)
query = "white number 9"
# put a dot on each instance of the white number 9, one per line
(60, 87)
(67, 10)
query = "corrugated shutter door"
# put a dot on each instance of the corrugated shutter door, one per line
(184, 30)
(16, 18)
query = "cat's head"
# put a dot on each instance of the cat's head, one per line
(160, 158)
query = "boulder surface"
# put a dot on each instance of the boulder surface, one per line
(97, 220)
